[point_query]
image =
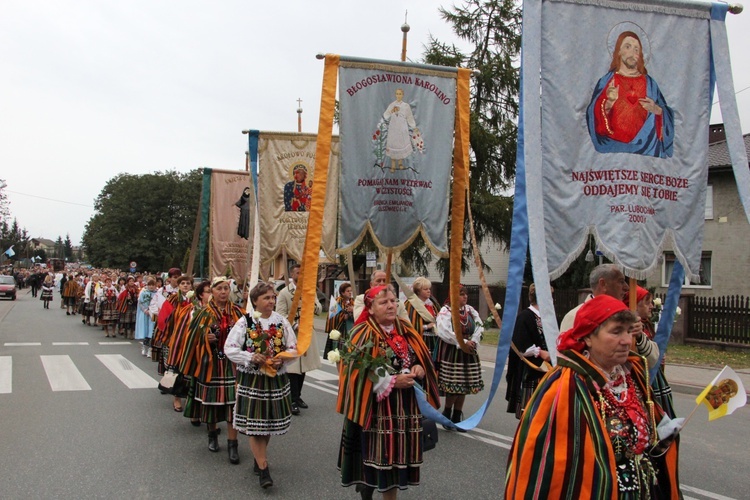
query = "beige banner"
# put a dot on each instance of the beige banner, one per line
(286, 168)
(228, 251)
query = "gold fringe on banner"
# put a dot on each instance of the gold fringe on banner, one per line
(309, 276)
(460, 188)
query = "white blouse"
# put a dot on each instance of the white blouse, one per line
(238, 335)
(444, 326)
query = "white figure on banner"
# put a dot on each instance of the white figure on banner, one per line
(397, 135)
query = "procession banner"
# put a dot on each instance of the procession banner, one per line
(397, 124)
(723, 395)
(286, 175)
(228, 226)
(615, 133)
(624, 131)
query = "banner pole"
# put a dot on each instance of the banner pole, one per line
(388, 263)
(633, 302)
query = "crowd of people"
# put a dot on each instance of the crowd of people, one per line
(226, 365)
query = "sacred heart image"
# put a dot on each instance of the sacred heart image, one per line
(628, 113)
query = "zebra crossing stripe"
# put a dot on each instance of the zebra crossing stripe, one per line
(22, 344)
(6, 374)
(63, 374)
(323, 375)
(70, 343)
(129, 374)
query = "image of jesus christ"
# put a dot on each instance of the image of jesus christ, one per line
(628, 113)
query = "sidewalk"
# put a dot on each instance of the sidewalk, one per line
(684, 379)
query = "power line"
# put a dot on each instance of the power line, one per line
(717, 102)
(50, 199)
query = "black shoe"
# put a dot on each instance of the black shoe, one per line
(195, 423)
(447, 414)
(256, 469)
(234, 456)
(457, 417)
(302, 404)
(295, 409)
(365, 492)
(265, 478)
(213, 441)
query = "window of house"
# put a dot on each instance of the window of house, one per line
(704, 273)
(709, 202)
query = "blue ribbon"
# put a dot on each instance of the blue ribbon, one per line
(664, 329)
(252, 139)
(428, 410)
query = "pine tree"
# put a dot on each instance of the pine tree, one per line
(493, 28)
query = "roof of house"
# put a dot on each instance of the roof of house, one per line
(718, 153)
(44, 241)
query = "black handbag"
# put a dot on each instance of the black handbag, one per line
(174, 383)
(429, 434)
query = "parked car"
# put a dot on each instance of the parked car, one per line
(8, 287)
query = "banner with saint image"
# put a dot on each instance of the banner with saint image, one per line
(286, 173)
(624, 127)
(396, 123)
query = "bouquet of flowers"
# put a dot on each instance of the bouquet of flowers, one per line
(362, 358)
(656, 312)
(268, 342)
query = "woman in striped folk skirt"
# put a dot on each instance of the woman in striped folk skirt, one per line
(193, 409)
(459, 372)
(204, 359)
(108, 314)
(259, 345)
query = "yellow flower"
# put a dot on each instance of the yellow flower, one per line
(277, 341)
(253, 334)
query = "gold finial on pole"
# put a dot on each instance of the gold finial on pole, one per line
(404, 29)
(299, 115)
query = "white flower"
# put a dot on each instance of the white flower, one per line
(498, 306)
(334, 335)
(334, 356)
(257, 315)
(657, 302)
(677, 311)
(190, 294)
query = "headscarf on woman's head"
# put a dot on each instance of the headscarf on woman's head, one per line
(461, 288)
(589, 317)
(219, 280)
(640, 294)
(369, 298)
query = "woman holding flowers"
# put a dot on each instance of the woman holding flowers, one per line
(340, 319)
(205, 360)
(259, 345)
(662, 390)
(381, 444)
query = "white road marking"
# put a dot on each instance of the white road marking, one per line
(114, 343)
(472, 434)
(493, 434)
(22, 344)
(6, 374)
(63, 374)
(129, 374)
(322, 375)
(70, 343)
(321, 388)
(705, 493)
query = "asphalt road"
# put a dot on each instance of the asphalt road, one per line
(81, 418)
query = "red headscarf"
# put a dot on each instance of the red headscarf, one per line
(369, 297)
(640, 294)
(588, 318)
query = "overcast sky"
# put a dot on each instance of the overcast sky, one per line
(93, 88)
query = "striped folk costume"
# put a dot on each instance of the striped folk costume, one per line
(205, 360)
(381, 443)
(264, 400)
